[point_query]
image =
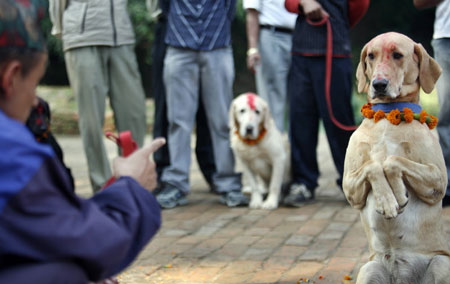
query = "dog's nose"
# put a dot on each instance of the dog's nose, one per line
(380, 85)
(249, 129)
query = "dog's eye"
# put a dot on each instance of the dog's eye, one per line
(257, 111)
(242, 110)
(371, 56)
(397, 55)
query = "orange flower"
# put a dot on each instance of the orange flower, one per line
(378, 115)
(433, 122)
(408, 115)
(394, 117)
(367, 111)
(423, 116)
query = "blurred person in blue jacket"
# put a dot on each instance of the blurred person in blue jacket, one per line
(47, 233)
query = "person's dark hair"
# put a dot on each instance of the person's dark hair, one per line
(28, 59)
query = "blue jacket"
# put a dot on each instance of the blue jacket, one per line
(47, 233)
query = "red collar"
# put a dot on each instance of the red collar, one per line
(252, 142)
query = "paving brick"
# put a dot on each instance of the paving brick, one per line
(289, 251)
(300, 240)
(320, 250)
(305, 269)
(257, 254)
(312, 227)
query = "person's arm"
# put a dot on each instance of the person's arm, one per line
(46, 222)
(310, 8)
(424, 4)
(153, 8)
(252, 25)
(56, 11)
(356, 10)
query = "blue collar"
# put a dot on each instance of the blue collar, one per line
(387, 107)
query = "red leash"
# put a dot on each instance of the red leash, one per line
(328, 61)
(126, 143)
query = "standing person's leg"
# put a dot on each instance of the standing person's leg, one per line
(272, 76)
(160, 123)
(126, 92)
(441, 49)
(340, 94)
(181, 78)
(86, 69)
(303, 125)
(217, 76)
(204, 146)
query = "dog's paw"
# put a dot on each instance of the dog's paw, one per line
(388, 207)
(256, 202)
(270, 204)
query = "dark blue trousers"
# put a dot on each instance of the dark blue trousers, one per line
(306, 91)
(203, 148)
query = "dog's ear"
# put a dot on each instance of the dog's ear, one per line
(361, 72)
(231, 118)
(429, 69)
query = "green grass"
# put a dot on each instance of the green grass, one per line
(63, 107)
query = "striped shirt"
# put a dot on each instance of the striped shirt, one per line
(199, 24)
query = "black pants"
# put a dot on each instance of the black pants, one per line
(203, 148)
(306, 91)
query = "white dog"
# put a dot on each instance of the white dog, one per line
(259, 149)
(394, 165)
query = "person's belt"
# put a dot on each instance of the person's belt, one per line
(277, 29)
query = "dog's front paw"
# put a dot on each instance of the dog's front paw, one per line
(270, 203)
(387, 206)
(256, 201)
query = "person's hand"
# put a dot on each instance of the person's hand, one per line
(253, 60)
(139, 166)
(313, 10)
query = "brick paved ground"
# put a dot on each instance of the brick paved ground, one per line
(206, 242)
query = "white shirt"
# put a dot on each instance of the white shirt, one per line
(273, 13)
(442, 20)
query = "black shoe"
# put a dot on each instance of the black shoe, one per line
(299, 195)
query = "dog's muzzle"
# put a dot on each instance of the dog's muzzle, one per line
(380, 87)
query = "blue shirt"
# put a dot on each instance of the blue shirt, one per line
(199, 24)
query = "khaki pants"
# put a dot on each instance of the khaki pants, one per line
(96, 72)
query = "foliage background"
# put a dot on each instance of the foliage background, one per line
(382, 16)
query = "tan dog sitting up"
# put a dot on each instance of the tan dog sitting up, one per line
(394, 171)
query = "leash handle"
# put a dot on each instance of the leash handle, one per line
(126, 143)
(328, 61)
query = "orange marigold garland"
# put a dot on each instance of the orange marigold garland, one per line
(433, 121)
(367, 111)
(395, 116)
(408, 115)
(423, 116)
(378, 115)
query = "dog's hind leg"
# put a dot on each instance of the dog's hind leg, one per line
(373, 272)
(438, 271)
